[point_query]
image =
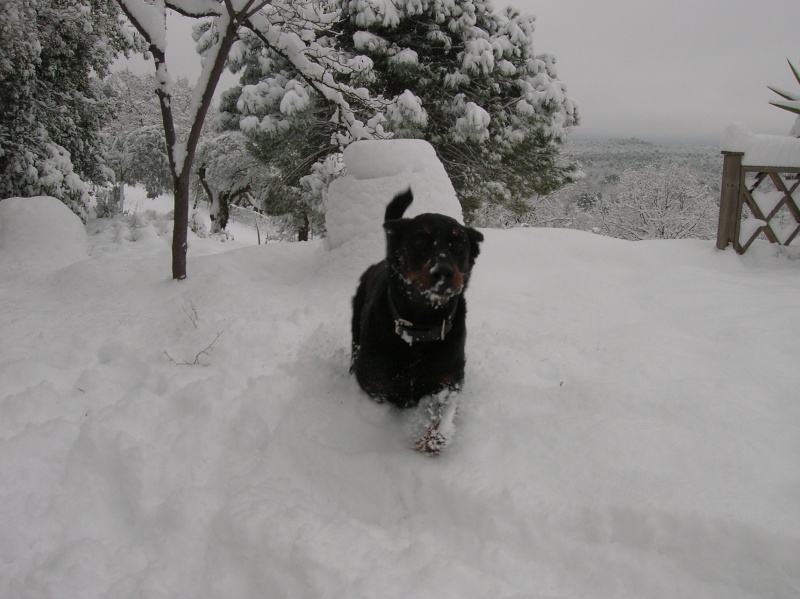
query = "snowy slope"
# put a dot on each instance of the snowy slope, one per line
(630, 426)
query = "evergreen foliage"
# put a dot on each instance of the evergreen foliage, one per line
(290, 130)
(53, 55)
(495, 112)
(452, 72)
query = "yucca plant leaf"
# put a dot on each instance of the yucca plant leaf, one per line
(794, 70)
(794, 109)
(783, 94)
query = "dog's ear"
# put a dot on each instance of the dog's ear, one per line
(394, 228)
(397, 207)
(475, 238)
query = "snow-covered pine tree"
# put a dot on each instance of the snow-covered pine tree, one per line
(293, 126)
(497, 113)
(282, 145)
(452, 72)
(53, 55)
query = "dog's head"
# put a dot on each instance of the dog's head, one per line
(431, 256)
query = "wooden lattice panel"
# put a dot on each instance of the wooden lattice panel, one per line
(775, 213)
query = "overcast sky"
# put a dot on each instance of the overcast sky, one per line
(671, 70)
(659, 70)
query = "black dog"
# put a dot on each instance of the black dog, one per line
(409, 314)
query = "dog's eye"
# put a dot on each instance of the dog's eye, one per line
(457, 243)
(420, 241)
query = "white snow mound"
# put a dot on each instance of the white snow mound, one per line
(761, 150)
(39, 234)
(376, 171)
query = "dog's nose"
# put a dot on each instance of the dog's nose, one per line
(442, 274)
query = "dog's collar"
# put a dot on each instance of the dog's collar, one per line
(411, 333)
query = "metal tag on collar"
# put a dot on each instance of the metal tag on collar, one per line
(399, 323)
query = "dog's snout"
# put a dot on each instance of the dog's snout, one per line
(442, 274)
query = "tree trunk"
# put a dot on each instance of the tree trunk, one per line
(302, 234)
(222, 210)
(121, 198)
(213, 200)
(181, 179)
(180, 233)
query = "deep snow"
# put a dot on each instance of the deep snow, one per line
(629, 427)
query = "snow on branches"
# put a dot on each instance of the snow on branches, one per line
(53, 56)
(658, 202)
(496, 112)
(290, 30)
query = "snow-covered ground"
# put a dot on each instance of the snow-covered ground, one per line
(629, 427)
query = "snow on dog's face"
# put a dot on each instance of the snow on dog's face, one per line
(431, 256)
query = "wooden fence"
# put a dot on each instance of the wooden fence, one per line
(768, 193)
(741, 188)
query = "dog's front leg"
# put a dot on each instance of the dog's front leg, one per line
(436, 422)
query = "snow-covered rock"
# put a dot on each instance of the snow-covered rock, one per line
(39, 234)
(376, 171)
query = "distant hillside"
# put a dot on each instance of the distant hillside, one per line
(587, 203)
(601, 160)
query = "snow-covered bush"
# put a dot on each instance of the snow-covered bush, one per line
(376, 170)
(226, 173)
(107, 201)
(658, 202)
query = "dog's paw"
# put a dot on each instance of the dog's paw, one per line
(437, 423)
(432, 443)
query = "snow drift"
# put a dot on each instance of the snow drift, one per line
(39, 234)
(629, 426)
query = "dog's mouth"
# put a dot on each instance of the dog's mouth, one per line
(436, 284)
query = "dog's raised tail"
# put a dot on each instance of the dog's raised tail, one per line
(397, 207)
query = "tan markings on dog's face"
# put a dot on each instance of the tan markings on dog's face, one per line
(458, 280)
(421, 279)
(422, 285)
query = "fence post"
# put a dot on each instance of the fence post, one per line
(729, 207)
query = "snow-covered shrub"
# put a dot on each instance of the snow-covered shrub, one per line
(658, 202)
(376, 170)
(107, 202)
(225, 173)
